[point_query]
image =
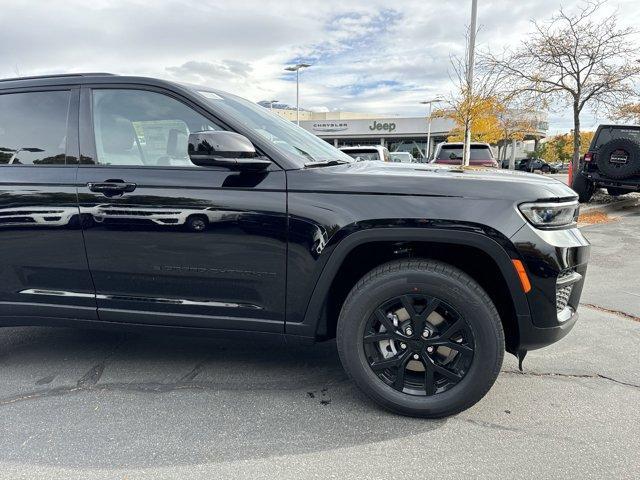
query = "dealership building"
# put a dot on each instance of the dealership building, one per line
(398, 134)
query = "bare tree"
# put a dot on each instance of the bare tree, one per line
(629, 112)
(580, 59)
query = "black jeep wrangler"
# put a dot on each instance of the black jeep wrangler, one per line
(135, 202)
(612, 162)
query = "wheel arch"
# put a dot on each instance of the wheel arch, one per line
(346, 266)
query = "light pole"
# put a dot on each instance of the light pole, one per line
(430, 103)
(296, 68)
(271, 102)
(472, 45)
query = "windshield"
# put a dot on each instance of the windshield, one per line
(363, 155)
(285, 135)
(478, 152)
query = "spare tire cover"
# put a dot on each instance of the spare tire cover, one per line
(619, 158)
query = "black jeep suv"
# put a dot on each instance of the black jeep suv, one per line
(612, 162)
(134, 202)
(531, 165)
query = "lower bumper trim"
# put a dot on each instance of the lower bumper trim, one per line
(532, 337)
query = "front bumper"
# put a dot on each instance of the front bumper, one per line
(556, 263)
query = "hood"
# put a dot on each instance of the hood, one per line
(431, 180)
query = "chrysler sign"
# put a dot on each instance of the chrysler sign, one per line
(329, 126)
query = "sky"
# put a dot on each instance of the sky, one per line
(367, 55)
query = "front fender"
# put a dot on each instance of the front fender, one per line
(492, 243)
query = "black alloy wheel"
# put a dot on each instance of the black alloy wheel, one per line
(418, 344)
(420, 337)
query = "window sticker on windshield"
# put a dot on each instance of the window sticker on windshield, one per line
(211, 95)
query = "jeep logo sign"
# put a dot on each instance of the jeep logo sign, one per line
(387, 127)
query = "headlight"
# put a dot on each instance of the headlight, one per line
(551, 215)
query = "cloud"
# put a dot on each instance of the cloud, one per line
(204, 72)
(367, 55)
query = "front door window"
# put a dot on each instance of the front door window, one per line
(143, 128)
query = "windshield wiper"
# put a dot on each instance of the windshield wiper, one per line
(302, 152)
(325, 163)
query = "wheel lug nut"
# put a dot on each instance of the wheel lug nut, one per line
(403, 346)
(430, 349)
(426, 334)
(409, 331)
(416, 356)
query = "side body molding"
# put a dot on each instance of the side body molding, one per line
(485, 243)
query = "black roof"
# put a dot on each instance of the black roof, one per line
(82, 78)
(59, 75)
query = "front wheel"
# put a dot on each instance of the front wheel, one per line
(197, 223)
(420, 338)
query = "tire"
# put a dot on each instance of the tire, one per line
(197, 223)
(614, 191)
(619, 158)
(583, 187)
(545, 169)
(457, 296)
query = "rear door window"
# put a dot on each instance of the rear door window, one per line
(33, 127)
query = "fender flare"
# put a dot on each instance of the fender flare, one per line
(473, 239)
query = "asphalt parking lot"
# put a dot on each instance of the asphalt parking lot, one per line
(90, 404)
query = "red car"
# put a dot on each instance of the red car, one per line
(451, 154)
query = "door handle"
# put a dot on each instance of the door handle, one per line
(112, 187)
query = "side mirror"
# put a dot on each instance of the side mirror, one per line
(224, 149)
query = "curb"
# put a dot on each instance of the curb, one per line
(617, 205)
